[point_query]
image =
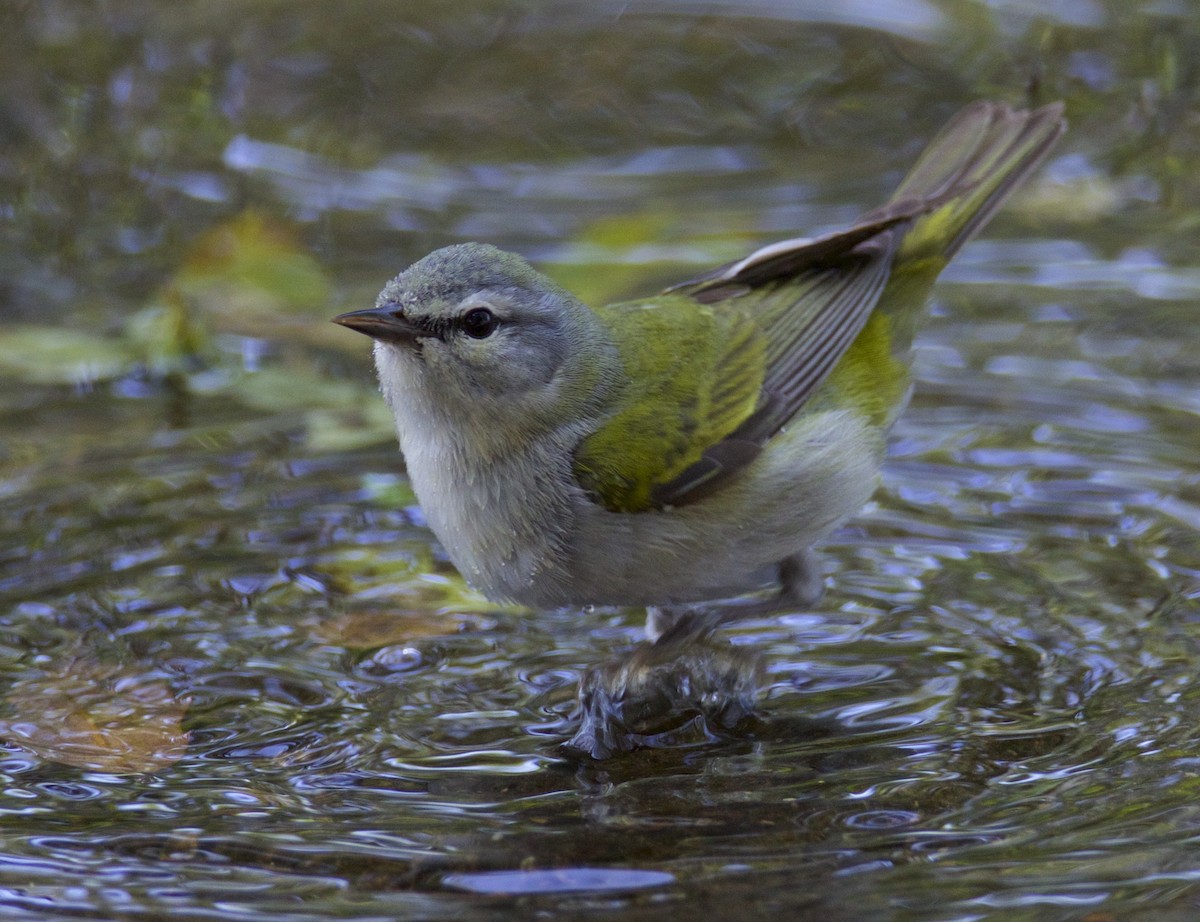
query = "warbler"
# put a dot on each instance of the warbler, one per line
(693, 445)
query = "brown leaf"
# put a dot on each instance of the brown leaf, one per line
(371, 629)
(96, 716)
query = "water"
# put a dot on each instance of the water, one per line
(242, 681)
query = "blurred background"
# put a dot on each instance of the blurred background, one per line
(240, 678)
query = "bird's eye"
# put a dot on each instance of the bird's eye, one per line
(479, 323)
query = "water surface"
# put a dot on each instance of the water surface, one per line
(241, 679)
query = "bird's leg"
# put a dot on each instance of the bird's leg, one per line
(800, 579)
(801, 585)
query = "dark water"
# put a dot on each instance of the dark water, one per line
(240, 678)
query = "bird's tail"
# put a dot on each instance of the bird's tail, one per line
(967, 171)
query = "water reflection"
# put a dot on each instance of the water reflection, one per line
(562, 880)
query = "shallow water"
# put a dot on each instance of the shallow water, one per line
(241, 679)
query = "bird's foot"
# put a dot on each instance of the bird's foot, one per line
(685, 687)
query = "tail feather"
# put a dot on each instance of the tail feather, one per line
(969, 169)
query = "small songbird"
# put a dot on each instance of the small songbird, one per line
(689, 446)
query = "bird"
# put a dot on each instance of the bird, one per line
(693, 445)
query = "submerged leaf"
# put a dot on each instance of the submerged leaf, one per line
(255, 264)
(168, 336)
(368, 630)
(57, 355)
(349, 428)
(249, 275)
(336, 416)
(96, 716)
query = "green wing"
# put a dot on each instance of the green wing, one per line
(693, 375)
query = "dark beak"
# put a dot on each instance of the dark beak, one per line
(386, 323)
